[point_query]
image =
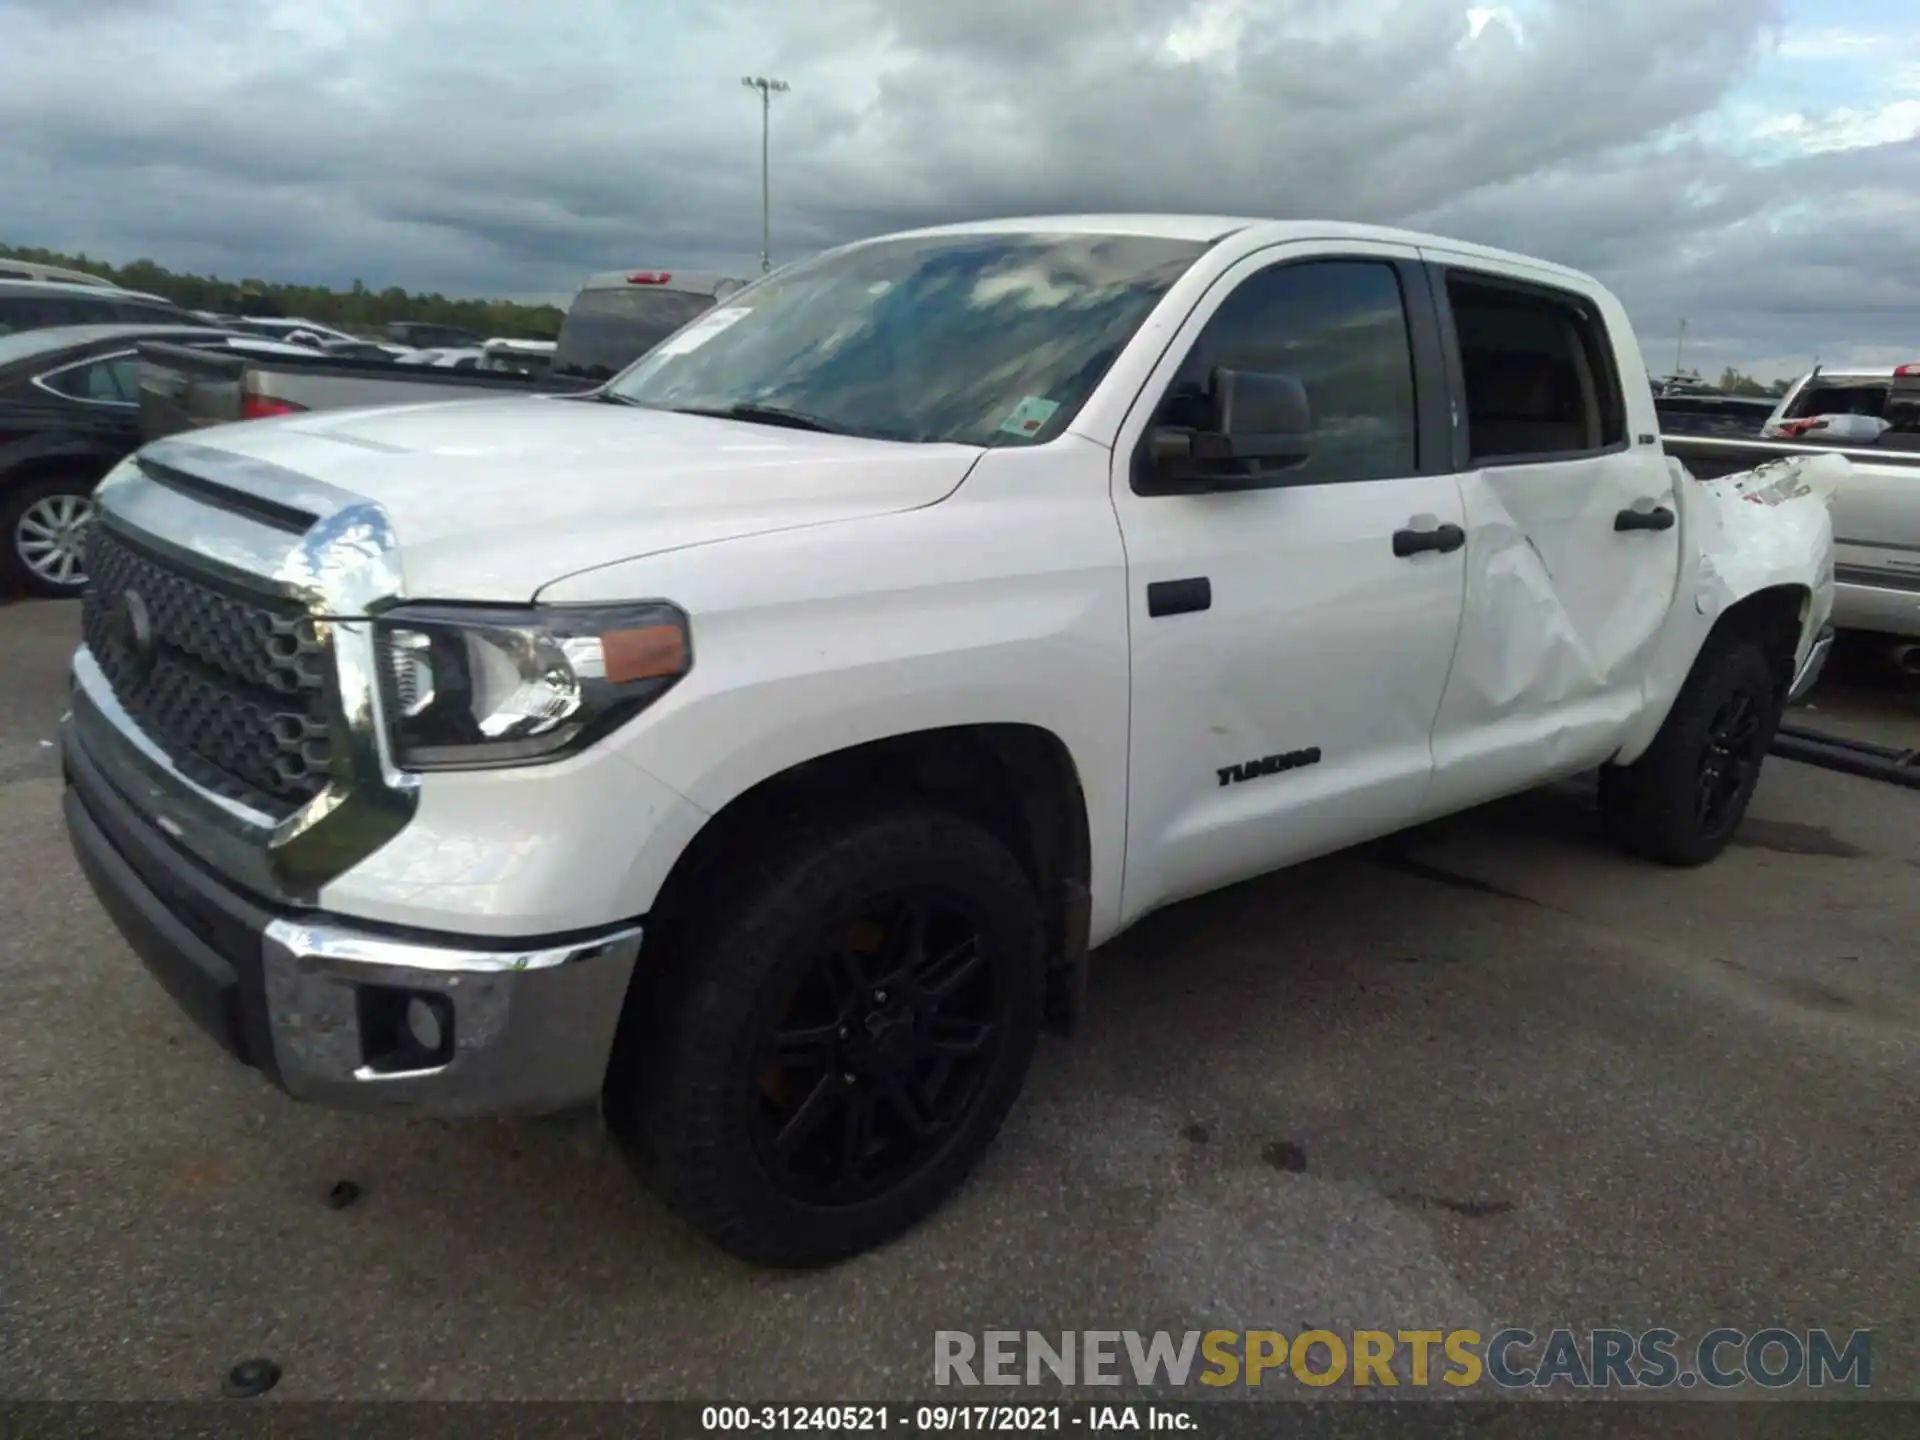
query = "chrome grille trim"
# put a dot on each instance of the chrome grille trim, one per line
(232, 683)
(327, 581)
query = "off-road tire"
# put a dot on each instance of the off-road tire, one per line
(680, 1092)
(1650, 808)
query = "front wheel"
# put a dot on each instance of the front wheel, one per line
(840, 1039)
(1681, 802)
(43, 525)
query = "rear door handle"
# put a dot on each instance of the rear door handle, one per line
(1413, 542)
(1658, 518)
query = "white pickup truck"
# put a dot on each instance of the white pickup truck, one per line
(757, 747)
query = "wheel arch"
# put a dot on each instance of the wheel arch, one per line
(1018, 781)
(25, 469)
(1776, 615)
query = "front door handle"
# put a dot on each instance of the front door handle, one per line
(1413, 542)
(1658, 518)
(1179, 597)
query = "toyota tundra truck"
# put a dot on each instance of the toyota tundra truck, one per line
(756, 748)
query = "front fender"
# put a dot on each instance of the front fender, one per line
(1004, 605)
(1764, 529)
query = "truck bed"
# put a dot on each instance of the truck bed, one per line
(1876, 520)
(183, 388)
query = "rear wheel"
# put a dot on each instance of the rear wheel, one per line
(840, 1039)
(1682, 801)
(44, 525)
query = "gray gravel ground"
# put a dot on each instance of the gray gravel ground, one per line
(1490, 1072)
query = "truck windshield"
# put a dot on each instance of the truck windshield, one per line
(607, 330)
(979, 339)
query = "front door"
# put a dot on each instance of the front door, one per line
(1289, 653)
(1573, 537)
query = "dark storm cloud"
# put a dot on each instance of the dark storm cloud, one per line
(482, 147)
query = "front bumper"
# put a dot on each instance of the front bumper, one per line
(311, 1000)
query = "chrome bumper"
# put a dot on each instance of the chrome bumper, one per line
(317, 1002)
(529, 1031)
(1811, 667)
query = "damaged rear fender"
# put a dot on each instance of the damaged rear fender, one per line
(1767, 530)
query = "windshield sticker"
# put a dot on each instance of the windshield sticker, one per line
(701, 330)
(1029, 415)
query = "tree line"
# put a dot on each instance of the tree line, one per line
(358, 310)
(1734, 382)
(1738, 382)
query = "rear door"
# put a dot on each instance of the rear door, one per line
(1291, 642)
(1573, 541)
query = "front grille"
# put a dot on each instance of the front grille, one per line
(231, 685)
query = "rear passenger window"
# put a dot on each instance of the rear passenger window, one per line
(1339, 327)
(112, 381)
(1538, 371)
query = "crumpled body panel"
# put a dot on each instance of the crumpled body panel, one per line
(1543, 629)
(1743, 533)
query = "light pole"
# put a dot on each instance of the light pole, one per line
(768, 89)
(1679, 347)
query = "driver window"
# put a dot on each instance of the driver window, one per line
(1339, 327)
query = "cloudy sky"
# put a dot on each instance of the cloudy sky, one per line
(1750, 165)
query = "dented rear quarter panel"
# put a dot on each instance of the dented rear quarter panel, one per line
(1739, 535)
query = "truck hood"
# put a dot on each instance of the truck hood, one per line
(493, 499)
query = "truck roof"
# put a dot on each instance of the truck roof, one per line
(1211, 228)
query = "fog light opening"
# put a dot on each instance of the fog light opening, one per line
(423, 1026)
(404, 1030)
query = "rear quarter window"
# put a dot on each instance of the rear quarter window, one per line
(607, 330)
(1840, 397)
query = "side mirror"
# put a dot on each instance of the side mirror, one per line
(1253, 424)
(1251, 406)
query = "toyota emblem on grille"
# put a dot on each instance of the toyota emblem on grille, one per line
(135, 628)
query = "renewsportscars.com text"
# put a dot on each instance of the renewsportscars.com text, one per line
(1511, 1359)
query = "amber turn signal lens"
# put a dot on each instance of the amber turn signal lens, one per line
(644, 654)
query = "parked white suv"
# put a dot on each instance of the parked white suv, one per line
(758, 745)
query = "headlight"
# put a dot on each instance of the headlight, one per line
(466, 687)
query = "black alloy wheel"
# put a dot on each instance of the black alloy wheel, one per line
(1682, 801)
(881, 1049)
(1730, 759)
(840, 1018)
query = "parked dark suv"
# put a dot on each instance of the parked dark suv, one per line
(45, 305)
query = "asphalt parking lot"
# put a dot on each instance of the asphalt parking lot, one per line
(1488, 1073)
